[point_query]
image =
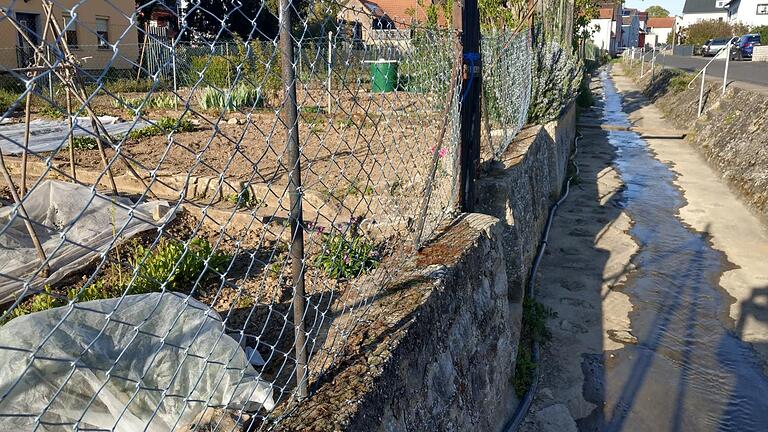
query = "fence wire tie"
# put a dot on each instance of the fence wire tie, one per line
(472, 58)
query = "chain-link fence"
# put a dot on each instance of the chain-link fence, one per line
(192, 225)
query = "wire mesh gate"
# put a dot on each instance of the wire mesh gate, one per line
(192, 225)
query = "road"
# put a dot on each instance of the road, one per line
(744, 71)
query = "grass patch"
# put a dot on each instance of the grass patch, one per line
(7, 99)
(241, 96)
(534, 329)
(679, 82)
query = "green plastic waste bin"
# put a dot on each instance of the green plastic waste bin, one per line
(383, 76)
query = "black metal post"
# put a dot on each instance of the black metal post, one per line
(290, 119)
(471, 89)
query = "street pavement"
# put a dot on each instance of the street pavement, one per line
(744, 71)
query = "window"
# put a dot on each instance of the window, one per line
(102, 32)
(70, 32)
(762, 9)
(720, 4)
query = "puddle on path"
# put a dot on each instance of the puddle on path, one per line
(689, 370)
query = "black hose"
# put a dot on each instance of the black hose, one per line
(525, 404)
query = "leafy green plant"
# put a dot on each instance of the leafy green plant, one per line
(51, 112)
(535, 316)
(84, 142)
(217, 71)
(173, 265)
(41, 301)
(346, 256)
(242, 96)
(679, 83)
(244, 199)
(161, 127)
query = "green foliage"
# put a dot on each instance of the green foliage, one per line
(585, 99)
(241, 96)
(244, 199)
(500, 14)
(217, 71)
(698, 33)
(7, 99)
(762, 31)
(657, 11)
(535, 316)
(84, 142)
(556, 79)
(584, 11)
(125, 85)
(51, 112)
(161, 101)
(679, 82)
(173, 266)
(163, 126)
(167, 262)
(346, 256)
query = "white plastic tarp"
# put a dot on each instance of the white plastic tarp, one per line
(149, 362)
(74, 225)
(49, 135)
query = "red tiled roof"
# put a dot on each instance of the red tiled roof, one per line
(606, 13)
(667, 22)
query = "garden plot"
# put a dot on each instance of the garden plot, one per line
(74, 226)
(50, 135)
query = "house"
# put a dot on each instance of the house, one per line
(659, 30)
(630, 28)
(700, 10)
(603, 30)
(98, 32)
(370, 22)
(748, 12)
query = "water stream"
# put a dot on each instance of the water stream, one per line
(689, 370)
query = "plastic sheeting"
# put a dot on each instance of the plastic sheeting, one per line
(143, 362)
(49, 135)
(74, 225)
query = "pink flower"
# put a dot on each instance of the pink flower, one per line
(440, 153)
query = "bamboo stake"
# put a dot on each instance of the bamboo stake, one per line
(27, 108)
(32, 234)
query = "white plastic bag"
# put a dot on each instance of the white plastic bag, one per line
(143, 362)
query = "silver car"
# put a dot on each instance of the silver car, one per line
(713, 46)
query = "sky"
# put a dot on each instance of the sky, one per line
(675, 7)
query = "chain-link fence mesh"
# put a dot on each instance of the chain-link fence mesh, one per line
(196, 217)
(506, 89)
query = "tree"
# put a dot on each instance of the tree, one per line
(700, 32)
(657, 12)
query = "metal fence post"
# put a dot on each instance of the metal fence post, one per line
(290, 119)
(727, 61)
(642, 62)
(701, 90)
(653, 63)
(330, 63)
(471, 85)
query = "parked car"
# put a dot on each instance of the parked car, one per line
(742, 49)
(702, 49)
(713, 46)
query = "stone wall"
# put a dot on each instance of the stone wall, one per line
(436, 349)
(520, 188)
(732, 133)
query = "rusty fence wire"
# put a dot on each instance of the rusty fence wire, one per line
(194, 220)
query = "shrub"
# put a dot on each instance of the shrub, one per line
(241, 96)
(679, 82)
(345, 257)
(125, 85)
(217, 71)
(556, 79)
(173, 265)
(698, 33)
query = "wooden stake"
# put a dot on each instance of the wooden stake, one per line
(30, 229)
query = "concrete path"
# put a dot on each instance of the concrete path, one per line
(604, 329)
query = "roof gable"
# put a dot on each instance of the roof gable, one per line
(701, 6)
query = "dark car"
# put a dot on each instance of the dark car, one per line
(742, 49)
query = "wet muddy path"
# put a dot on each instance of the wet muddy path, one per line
(688, 370)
